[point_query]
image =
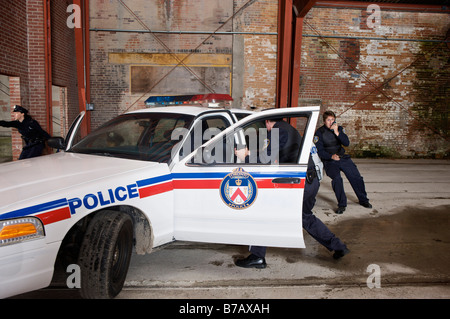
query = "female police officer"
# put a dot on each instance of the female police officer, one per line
(329, 140)
(32, 133)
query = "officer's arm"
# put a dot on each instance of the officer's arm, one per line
(343, 138)
(8, 123)
(320, 148)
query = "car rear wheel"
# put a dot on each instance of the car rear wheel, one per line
(105, 254)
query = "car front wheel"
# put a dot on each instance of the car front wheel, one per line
(105, 254)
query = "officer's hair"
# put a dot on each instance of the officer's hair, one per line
(326, 114)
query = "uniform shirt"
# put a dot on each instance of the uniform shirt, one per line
(30, 130)
(289, 142)
(326, 139)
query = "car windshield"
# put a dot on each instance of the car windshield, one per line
(140, 136)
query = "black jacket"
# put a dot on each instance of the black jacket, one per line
(31, 131)
(328, 143)
(289, 142)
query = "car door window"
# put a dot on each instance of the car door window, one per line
(254, 136)
(204, 129)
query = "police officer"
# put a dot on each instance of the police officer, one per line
(32, 133)
(329, 140)
(289, 137)
(289, 141)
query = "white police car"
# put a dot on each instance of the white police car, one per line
(144, 179)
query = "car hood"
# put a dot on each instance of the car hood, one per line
(29, 180)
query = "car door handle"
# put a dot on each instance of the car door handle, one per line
(286, 180)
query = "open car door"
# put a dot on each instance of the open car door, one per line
(71, 137)
(219, 199)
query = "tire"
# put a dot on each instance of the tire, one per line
(105, 255)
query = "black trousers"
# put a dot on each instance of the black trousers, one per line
(32, 151)
(313, 225)
(346, 165)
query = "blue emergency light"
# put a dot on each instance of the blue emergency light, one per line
(212, 99)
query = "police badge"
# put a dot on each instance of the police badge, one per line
(238, 189)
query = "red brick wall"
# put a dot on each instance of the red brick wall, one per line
(35, 99)
(344, 74)
(13, 48)
(64, 68)
(337, 71)
(110, 82)
(402, 125)
(15, 97)
(260, 52)
(22, 56)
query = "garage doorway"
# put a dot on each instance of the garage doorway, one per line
(59, 111)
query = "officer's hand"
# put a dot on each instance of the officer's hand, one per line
(242, 153)
(335, 157)
(335, 128)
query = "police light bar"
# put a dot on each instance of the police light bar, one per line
(210, 100)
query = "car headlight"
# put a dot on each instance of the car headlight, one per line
(17, 230)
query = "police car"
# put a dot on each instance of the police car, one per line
(144, 179)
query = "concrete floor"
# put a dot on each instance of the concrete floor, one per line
(404, 241)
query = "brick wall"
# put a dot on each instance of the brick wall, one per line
(64, 68)
(13, 50)
(110, 82)
(22, 57)
(35, 99)
(344, 73)
(407, 119)
(260, 51)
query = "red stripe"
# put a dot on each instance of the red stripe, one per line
(55, 216)
(205, 184)
(155, 190)
(267, 183)
(197, 184)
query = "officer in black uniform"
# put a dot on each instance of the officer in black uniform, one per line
(329, 140)
(289, 146)
(32, 133)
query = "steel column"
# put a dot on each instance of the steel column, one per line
(296, 62)
(82, 60)
(290, 28)
(284, 52)
(48, 65)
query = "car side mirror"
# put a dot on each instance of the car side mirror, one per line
(56, 142)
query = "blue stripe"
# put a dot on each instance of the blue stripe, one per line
(213, 175)
(154, 180)
(35, 209)
(277, 174)
(199, 175)
(253, 174)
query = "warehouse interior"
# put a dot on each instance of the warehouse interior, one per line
(381, 66)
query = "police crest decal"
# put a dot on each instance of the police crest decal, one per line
(238, 189)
